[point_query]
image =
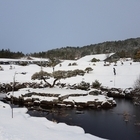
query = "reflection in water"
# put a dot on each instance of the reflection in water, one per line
(119, 123)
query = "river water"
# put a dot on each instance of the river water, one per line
(120, 123)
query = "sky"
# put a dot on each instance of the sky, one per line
(40, 25)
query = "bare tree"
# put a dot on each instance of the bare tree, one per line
(137, 83)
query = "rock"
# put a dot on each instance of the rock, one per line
(28, 102)
(61, 98)
(36, 103)
(91, 104)
(69, 103)
(103, 88)
(116, 92)
(81, 104)
(129, 93)
(46, 104)
(95, 92)
(106, 105)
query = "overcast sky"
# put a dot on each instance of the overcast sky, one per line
(41, 25)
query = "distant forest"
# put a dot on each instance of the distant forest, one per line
(125, 48)
(6, 53)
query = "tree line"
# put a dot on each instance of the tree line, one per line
(123, 48)
(6, 53)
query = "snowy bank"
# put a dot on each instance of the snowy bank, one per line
(25, 127)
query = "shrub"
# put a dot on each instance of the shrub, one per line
(78, 72)
(96, 84)
(88, 69)
(95, 60)
(83, 86)
(74, 64)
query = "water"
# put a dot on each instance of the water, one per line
(120, 123)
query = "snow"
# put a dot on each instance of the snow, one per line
(87, 98)
(126, 73)
(24, 127)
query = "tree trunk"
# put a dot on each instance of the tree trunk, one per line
(51, 86)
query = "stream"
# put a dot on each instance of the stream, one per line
(119, 123)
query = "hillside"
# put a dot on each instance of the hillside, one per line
(123, 48)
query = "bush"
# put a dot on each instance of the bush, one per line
(23, 63)
(96, 84)
(83, 86)
(137, 83)
(88, 69)
(78, 72)
(74, 64)
(95, 60)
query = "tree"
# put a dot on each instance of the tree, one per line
(137, 56)
(6, 53)
(57, 75)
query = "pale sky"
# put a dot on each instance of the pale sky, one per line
(41, 25)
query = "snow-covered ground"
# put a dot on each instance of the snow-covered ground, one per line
(126, 74)
(24, 127)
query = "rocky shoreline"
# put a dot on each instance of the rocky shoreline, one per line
(32, 99)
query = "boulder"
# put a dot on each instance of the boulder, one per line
(80, 104)
(95, 92)
(46, 104)
(116, 92)
(129, 93)
(91, 104)
(69, 103)
(106, 105)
